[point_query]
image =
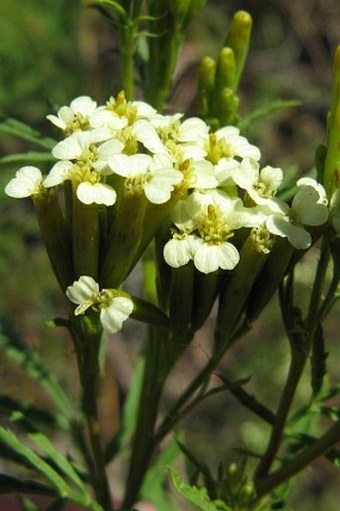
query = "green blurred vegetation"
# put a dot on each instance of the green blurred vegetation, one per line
(54, 50)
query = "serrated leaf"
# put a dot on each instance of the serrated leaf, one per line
(19, 129)
(65, 466)
(197, 496)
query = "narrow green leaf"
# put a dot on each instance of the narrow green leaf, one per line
(19, 129)
(35, 461)
(11, 484)
(28, 158)
(197, 496)
(260, 113)
(9, 438)
(65, 466)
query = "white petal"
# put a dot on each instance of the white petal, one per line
(113, 317)
(177, 252)
(82, 290)
(246, 174)
(98, 193)
(296, 235)
(26, 182)
(306, 209)
(208, 258)
(147, 135)
(129, 166)
(58, 173)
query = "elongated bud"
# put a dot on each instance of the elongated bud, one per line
(269, 279)
(206, 86)
(56, 236)
(234, 294)
(226, 70)
(238, 39)
(227, 105)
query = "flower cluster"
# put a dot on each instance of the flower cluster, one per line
(210, 185)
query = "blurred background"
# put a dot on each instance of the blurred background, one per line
(54, 50)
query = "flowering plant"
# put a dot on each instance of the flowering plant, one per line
(190, 198)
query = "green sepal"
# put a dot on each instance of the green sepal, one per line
(124, 240)
(181, 298)
(234, 293)
(269, 279)
(206, 289)
(56, 235)
(148, 313)
(85, 238)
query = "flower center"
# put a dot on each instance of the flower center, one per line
(217, 149)
(122, 108)
(212, 227)
(79, 122)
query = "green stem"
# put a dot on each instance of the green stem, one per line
(162, 351)
(298, 361)
(87, 337)
(300, 462)
(128, 48)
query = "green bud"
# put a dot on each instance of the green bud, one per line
(56, 235)
(227, 105)
(178, 8)
(238, 39)
(226, 70)
(331, 179)
(206, 86)
(195, 7)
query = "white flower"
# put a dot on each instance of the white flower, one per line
(89, 165)
(76, 116)
(262, 184)
(228, 143)
(75, 145)
(83, 292)
(306, 209)
(115, 307)
(27, 182)
(204, 223)
(155, 176)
